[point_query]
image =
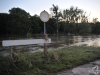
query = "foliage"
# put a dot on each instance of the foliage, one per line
(61, 27)
(35, 25)
(3, 23)
(96, 28)
(35, 64)
(72, 15)
(55, 9)
(51, 26)
(84, 28)
(72, 20)
(19, 22)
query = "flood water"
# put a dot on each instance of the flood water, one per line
(56, 43)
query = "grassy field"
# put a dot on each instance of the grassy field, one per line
(36, 64)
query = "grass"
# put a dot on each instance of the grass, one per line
(36, 64)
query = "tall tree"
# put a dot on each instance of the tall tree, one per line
(51, 26)
(95, 20)
(72, 15)
(55, 11)
(4, 17)
(84, 28)
(35, 28)
(19, 22)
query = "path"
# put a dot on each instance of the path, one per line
(92, 68)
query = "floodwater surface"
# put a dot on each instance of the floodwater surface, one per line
(56, 43)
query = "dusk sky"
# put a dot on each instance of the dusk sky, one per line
(36, 6)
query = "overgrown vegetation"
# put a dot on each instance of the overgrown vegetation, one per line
(35, 64)
(70, 20)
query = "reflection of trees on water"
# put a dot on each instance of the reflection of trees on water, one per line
(68, 40)
(76, 39)
(73, 39)
(62, 40)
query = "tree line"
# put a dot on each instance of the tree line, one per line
(72, 20)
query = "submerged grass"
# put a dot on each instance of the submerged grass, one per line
(36, 64)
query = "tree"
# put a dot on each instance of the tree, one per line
(72, 15)
(84, 28)
(84, 18)
(35, 25)
(55, 11)
(61, 26)
(4, 17)
(19, 21)
(95, 20)
(96, 28)
(51, 26)
(75, 18)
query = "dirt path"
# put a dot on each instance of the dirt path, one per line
(92, 68)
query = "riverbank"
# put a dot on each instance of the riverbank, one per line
(36, 64)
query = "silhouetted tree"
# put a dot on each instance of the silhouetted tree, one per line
(19, 21)
(55, 11)
(35, 28)
(4, 17)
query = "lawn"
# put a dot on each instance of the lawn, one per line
(36, 64)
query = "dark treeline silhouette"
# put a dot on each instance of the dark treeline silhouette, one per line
(72, 20)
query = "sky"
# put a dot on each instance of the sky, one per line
(92, 7)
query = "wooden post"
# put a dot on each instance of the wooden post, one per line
(46, 55)
(11, 52)
(11, 55)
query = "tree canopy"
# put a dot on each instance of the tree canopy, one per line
(72, 20)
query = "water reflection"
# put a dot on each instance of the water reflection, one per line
(63, 41)
(79, 41)
(90, 42)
